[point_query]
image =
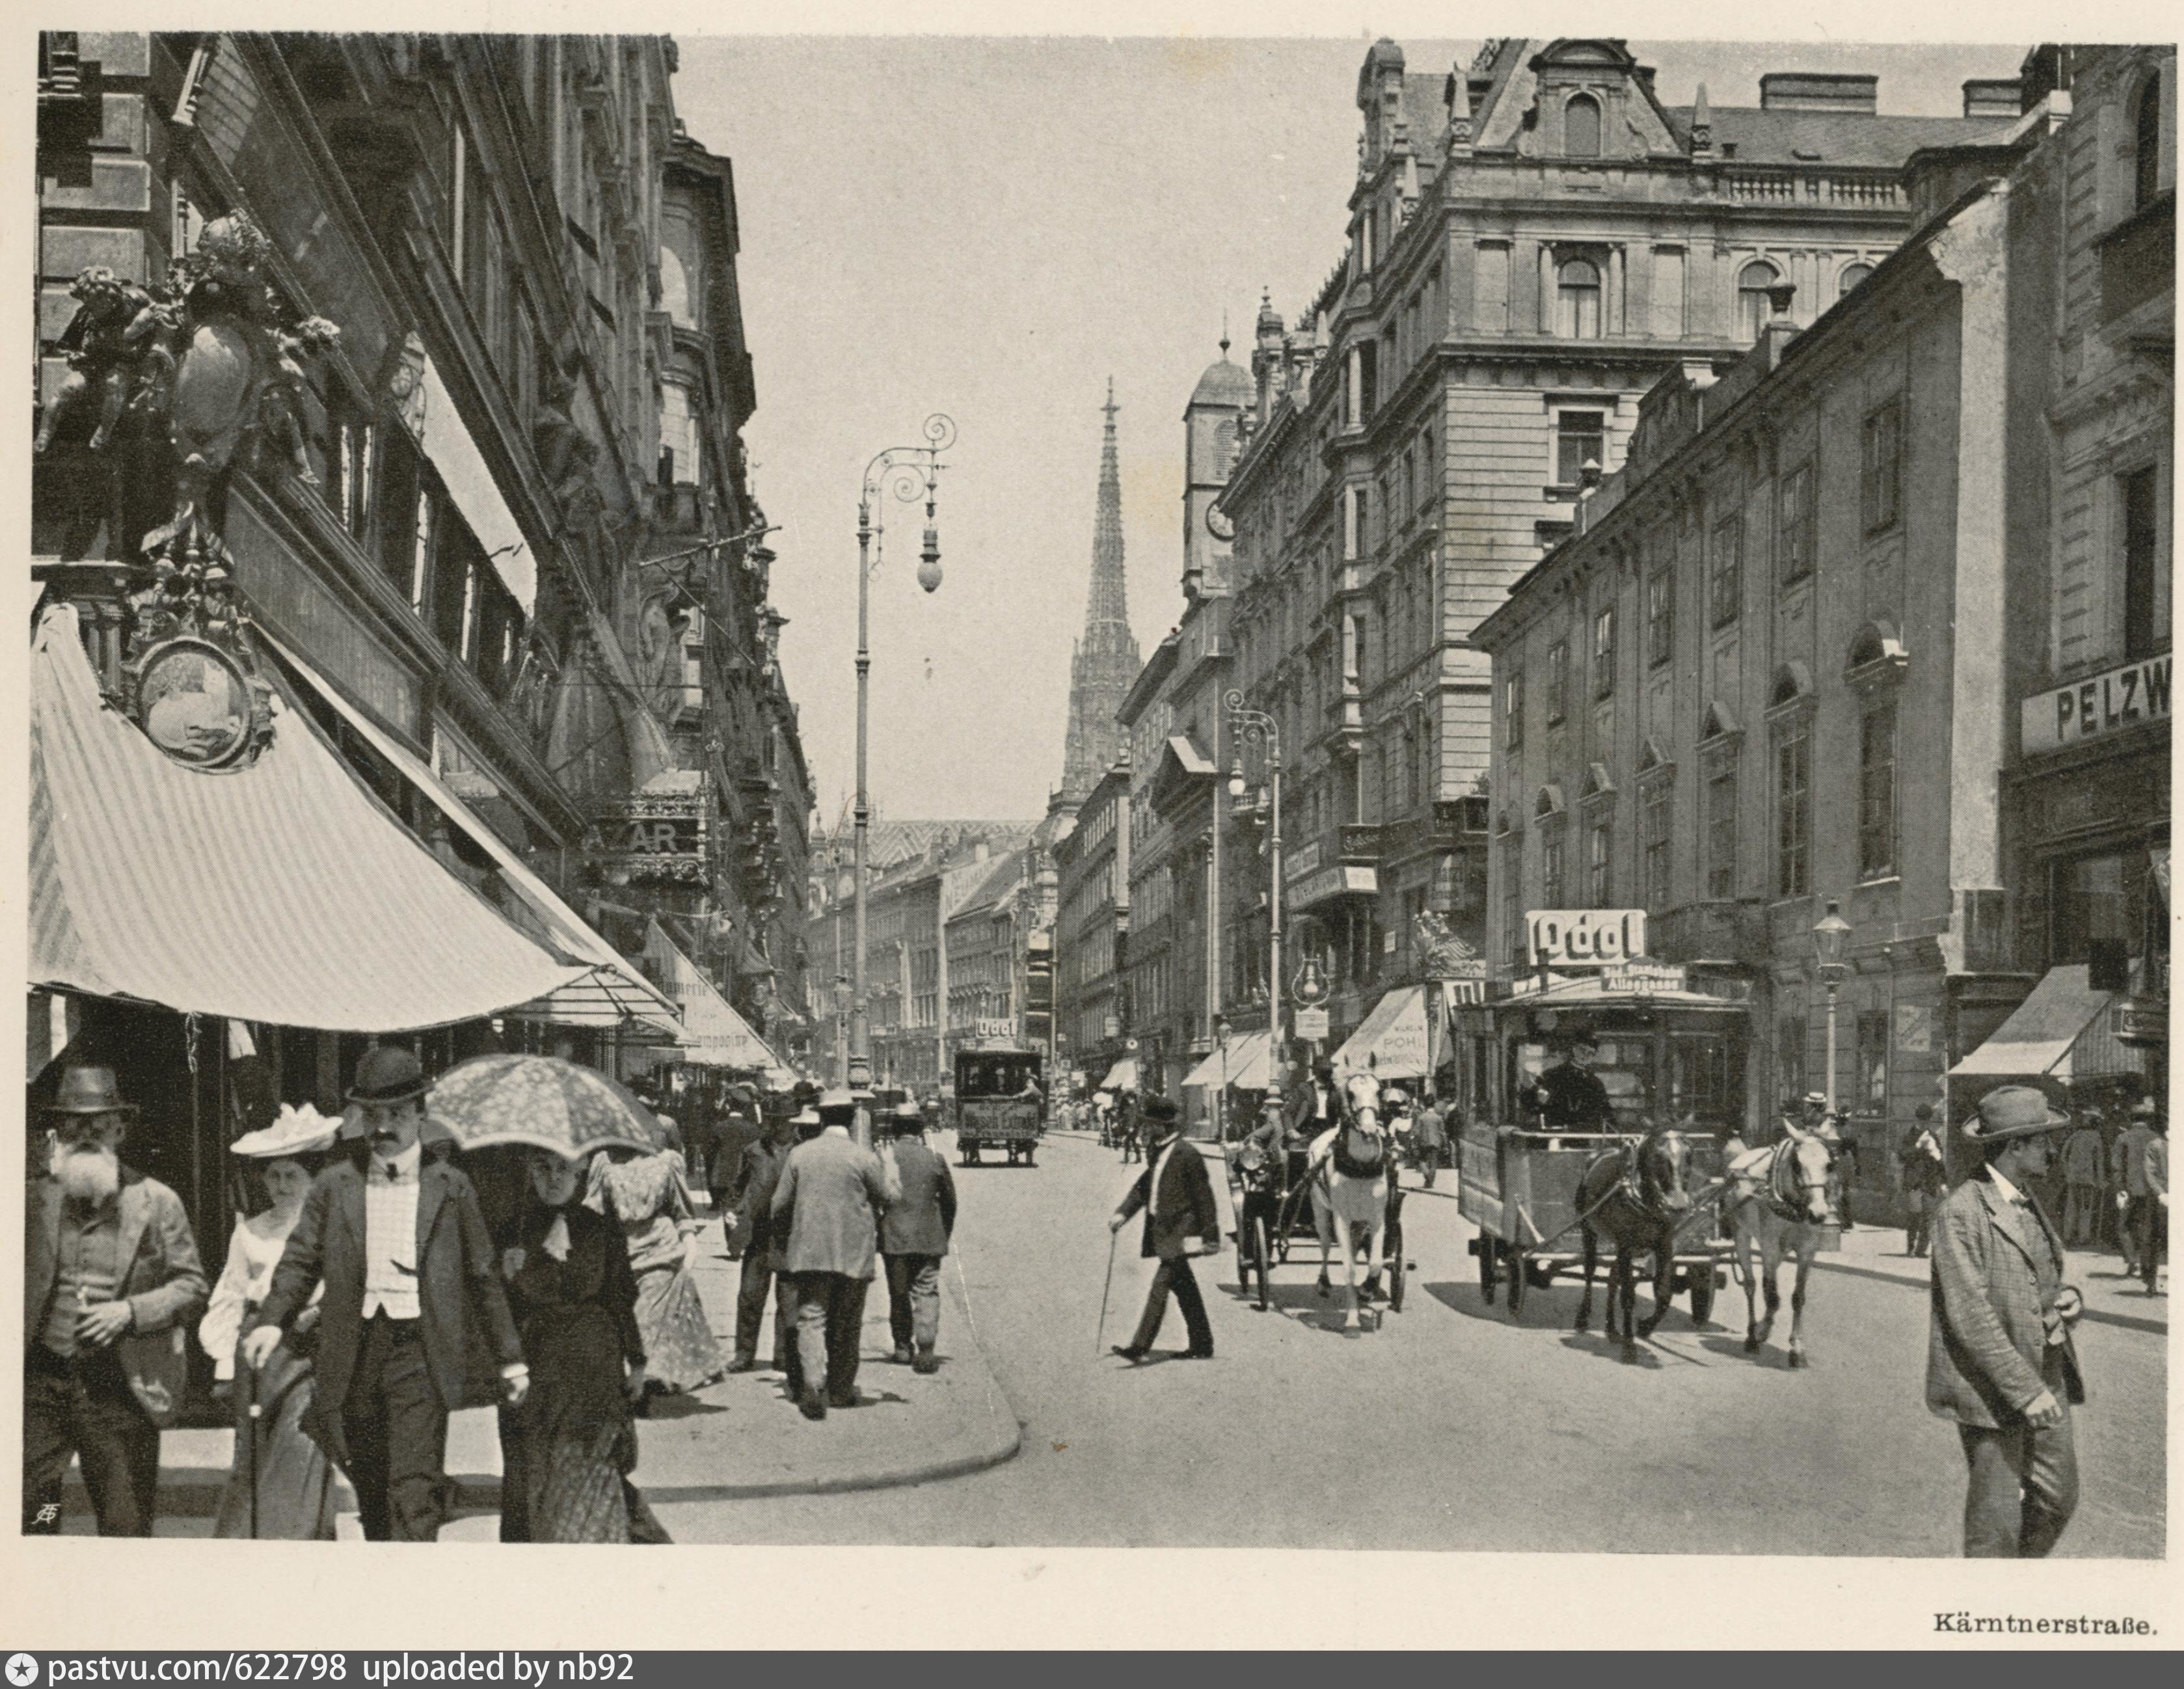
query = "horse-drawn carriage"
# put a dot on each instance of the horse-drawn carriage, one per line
(1667, 1057)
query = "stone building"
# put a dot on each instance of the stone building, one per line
(1092, 928)
(1535, 239)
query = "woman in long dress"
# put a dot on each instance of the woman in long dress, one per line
(567, 1451)
(294, 1499)
(647, 1195)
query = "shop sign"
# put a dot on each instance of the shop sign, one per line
(1302, 861)
(2127, 697)
(1641, 979)
(1561, 938)
(2140, 1021)
(1915, 1029)
(1335, 882)
(655, 837)
(1312, 1022)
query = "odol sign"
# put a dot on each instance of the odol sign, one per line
(1584, 938)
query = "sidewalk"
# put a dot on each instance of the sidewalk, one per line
(741, 1437)
(1877, 1252)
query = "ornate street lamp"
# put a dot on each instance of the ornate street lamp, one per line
(905, 471)
(1256, 726)
(1829, 934)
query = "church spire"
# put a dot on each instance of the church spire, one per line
(1106, 661)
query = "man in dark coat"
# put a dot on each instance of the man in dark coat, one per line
(401, 1246)
(2000, 1361)
(110, 1276)
(914, 1236)
(750, 1226)
(832, 1193)
(1181, 1221)
(1318, 1104)
(1570, 1097)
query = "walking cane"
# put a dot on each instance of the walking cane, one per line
(248, 1376)
(1100, 1338)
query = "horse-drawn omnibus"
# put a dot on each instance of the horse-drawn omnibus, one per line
(999, 1101)
(1664, 1054)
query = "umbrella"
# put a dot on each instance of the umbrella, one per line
(540, 1101)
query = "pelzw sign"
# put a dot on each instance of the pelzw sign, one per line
(2131, 696)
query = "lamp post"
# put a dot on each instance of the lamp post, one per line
(1256, 726)
(903, 471)
(1829, 934)
(1221, 1096)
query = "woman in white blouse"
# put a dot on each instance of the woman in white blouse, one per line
(293, 1496)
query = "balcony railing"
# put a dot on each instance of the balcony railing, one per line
(1727, 930)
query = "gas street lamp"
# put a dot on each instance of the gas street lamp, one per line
(905, 471)
(1829, 934)
(1256, 726)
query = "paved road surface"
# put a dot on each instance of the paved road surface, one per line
(1453, 1428)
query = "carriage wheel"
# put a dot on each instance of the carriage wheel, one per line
(1483, 1245)
(1701, 1294)
(1260, 1244)
(1396, 1267)
(1520, 1276)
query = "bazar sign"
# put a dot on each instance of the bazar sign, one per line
(1577, 937)
(2126, 697)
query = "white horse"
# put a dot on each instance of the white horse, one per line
(1780, 1197)
(1345, 1204)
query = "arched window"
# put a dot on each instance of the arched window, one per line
(1752, 307)
(1578, 284)
(1852, 275)
(1581, 127)
(2146, 157)
(675, 289)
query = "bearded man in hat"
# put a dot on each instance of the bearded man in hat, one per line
(915, 1233)
(1181, 1220)
(111, 1276)
(827, 1205)
(2000, 1361)
(397, 1237)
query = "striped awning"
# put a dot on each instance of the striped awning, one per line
(2060, 1031)
(1241, 1067)
(281, 892)
(714, 1035)
(612, 992)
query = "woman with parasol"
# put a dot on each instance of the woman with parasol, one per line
(283, 1485)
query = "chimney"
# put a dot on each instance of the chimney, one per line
(1819, 91)
(1994, 97)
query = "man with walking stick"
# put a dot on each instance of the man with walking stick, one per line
(1181, 1221)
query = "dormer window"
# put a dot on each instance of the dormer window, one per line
(1581, 127)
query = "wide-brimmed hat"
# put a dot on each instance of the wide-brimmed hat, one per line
(388, 1074)
(840, 1100)
(804, 1117)
(908, 1109)
(2145, 1109)
(1813, 1099)
(88, 1090)
(295, 1131)
(2014, 1112)
(1159, 1108)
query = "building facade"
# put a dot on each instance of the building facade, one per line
(1092, 928)
(1534, 240)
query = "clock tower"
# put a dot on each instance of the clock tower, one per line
(1223, 393)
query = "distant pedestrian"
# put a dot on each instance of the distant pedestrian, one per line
(1177, 1195)
(1926, 1181)
(2127, 1171)
(2154, 1241)
(749, 1221)
(915, 1234)
(1430, 1136)
(1127, 1124)
(832, 1193)
(2000, 1360)
(2083, 1161)
(111, 1278)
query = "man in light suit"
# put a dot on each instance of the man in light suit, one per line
(2000, 1360)
(1181, 1221)
(827, 1205)
(110, 1272)
(914, 1236)
(396, 1236)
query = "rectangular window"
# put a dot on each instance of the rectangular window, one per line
(1581, 438)
(1512, 901)
(1551, 871)
(421, 556)
(1881, 473)
(1558, 682)
(1727, 572)
(1599, 852)
(1490, 311)
(1603, 653)
(1653, 809)
(1876, 793)
(1794, 546)
(1871, 1094)
(1429, 485)
(1790, 1057)
(1721, 829)
(2145, 626)
(1512, 710)
(1793, 811)
(1661, 618)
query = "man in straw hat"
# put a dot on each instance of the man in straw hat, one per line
(111, 1276)
(832, 1193)
(2000, 1361)
(914, 1236)
(400, 1244)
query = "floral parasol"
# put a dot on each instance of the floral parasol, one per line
(539, 1101)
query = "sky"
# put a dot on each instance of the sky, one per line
(991, 228)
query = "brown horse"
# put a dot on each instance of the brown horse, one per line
(1638, 1196)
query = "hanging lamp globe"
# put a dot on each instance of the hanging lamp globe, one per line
(928, 561)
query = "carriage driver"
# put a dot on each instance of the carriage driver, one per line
(1569, 1095)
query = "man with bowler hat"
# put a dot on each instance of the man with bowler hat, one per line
(1181, 1221)
(397, 1237)
(2000, 1361)
(750, 1225)
(832, 1193)
(111, 1279)
(914, 1237)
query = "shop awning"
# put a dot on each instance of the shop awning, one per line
(1391, 1040)
(714, 1035)
(2061, 1032)
(1243, 1065)
(281, 892)
(1123, 1076)
(612, 992)
(462, 468)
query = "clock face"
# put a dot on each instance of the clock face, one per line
(1219, 524)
